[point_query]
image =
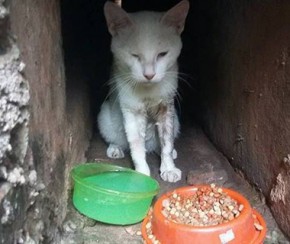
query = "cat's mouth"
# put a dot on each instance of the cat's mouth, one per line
(147, 82)
(153, 81)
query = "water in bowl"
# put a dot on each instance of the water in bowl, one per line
(124, 181)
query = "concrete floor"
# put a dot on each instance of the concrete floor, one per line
(198, 159)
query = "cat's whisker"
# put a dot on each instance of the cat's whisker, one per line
(179, 76)
(135, 83)
(186, 82)
(177, 99)
(189, 76)
(123, 88)
(114, 85)
(113, 80)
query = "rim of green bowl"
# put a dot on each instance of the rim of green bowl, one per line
(114, 168)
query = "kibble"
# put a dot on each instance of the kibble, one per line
(258, 226)
(148, 227)
(241, 207)
(206, 207)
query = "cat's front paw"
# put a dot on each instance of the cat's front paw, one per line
(144, 169)
(171, 175)
(115, 151)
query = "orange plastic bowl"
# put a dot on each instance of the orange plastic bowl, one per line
(241, 230)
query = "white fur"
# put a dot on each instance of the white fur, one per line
(114, 151)
(139, 114)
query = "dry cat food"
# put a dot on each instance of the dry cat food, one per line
(149, 232)
(206, 207)
(257, 224)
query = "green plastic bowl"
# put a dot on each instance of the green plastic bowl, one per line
(112, 194)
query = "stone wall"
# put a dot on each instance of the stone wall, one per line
(43, 133)
(246, 96)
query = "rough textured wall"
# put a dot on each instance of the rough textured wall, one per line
(36, 155)
(18, 179)
(247, 95)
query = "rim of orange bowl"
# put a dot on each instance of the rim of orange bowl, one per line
(262, 233)
(257, 239)
(239, 197)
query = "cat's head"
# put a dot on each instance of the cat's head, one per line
(146, 45)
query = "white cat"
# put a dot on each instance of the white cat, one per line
(140, 113)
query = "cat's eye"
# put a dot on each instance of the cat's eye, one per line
(162, 54)
(135, 56)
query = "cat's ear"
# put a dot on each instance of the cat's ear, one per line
(117, 19)
(175, 17)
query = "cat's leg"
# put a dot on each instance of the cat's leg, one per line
(153, 146)
(165, 125)
(174, 154)
(110, 123)
(135, 127)
(153, 143)
(176, 130)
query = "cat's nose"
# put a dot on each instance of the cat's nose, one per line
(149, 76)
